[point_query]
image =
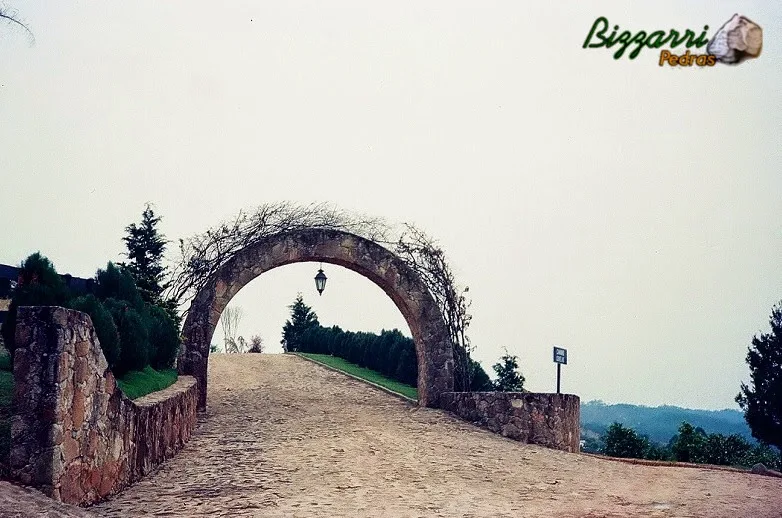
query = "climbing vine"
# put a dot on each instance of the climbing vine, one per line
(202, 255)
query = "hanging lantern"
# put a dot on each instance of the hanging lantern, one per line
(320, 281)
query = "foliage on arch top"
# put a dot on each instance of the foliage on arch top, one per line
(203, 254)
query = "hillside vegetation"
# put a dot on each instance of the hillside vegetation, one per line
(662, 422)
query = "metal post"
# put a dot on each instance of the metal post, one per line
(559, 370)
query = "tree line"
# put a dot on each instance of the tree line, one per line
(662, 422)
(761, 401)
(390, 352)
(135, 325)
(690, 444)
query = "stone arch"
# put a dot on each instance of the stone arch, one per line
(367, 258)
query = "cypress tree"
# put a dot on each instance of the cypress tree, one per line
(761, 400)
(146, 246)
(302, 318)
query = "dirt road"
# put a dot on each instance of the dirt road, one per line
(284, 437)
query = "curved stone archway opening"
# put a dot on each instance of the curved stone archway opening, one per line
(367, 258)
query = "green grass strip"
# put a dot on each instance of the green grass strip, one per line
(136, 384)
(364, 373)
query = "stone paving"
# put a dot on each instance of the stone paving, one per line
(284, 437)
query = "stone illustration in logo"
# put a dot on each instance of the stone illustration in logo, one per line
(737, 40)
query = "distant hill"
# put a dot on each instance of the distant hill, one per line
(659, 423)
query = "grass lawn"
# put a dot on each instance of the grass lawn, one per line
(140, 383)
(363, 373)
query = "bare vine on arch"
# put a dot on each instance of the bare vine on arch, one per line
(11, 16)
(424, 256)
(203, 254)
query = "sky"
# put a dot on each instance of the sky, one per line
(629, 212)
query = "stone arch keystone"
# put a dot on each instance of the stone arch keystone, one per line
(367, 258)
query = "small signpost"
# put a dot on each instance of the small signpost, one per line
(560, 357)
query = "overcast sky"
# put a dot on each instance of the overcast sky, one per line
(628, 212)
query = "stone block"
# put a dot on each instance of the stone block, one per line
(82, 347)
(70, 449)
(78, 407)
(82, 370)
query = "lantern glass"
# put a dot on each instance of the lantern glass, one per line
(320, 281)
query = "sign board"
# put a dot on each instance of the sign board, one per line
(560, 355)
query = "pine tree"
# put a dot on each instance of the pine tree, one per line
(302, 319)
(146, 246)
(509, 379)
(762, 399)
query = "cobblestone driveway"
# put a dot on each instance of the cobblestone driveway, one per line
(284, 437)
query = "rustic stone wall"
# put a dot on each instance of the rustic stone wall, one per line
(551, 420)
(74, 434)
(381, 266)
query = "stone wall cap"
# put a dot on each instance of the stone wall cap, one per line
(512, 394)
(182, 384)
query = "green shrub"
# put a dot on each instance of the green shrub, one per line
(407, 371)
(163, 338)
(133, 336)
(480, 381)
(688, 444)
(5, 363)
(116, 283)
(149, 335)
(401, 373)
(394, 352)
(509, 379)
(624, 442)
(104, 325)
(722, 450)
(39, 285)
(764, 454)
(658, 452)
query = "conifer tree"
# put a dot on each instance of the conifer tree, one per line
(761, 400)
(509, 379)
(302, 319)
(146, 246)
